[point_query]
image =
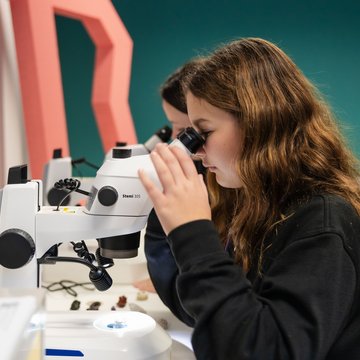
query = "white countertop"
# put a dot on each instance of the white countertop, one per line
(152, 306)
(123, 273)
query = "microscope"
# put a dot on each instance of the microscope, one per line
(116, 211)
(60, 167)
(161, 135)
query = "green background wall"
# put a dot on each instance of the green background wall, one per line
(322, 37)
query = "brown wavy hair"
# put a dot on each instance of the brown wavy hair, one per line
(292, 146)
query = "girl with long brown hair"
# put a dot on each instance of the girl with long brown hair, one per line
(275, 274)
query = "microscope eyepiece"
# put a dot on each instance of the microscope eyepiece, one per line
(191, 139)
(164, 133)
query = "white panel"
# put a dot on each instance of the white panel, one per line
(13, 149)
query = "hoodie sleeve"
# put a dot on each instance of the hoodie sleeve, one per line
(163, 269)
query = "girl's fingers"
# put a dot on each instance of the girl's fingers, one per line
(171, 161)
(165, 176)
(172, 203)
(186, 163)
(153, 191)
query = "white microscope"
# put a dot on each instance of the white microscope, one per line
(60, 167)
(116, 212)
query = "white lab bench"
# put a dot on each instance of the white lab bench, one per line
(124, 273)
(153, 306)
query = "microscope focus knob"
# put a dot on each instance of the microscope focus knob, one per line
(17, 248)
(107, 195)
(55, 196)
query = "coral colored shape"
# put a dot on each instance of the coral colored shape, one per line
(40, 76)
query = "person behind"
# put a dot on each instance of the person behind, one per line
(275, 274)
(174, 107)
(173, 99)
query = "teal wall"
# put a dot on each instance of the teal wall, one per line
(322, 37)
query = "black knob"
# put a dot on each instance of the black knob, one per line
(17, 175)
(164, 133)
(55, 196)
(17, 248)
(57, 154)
(119, 153)
(107, 196)
(100, 279)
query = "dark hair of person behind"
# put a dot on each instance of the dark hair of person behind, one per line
(292, 147)
(171, 90)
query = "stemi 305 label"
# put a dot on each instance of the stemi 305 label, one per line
(131, 196)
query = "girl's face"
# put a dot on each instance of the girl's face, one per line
(223, 140)
(179, 120)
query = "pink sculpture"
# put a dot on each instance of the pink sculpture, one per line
(40, 78)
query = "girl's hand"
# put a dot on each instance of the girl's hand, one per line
(184, 197)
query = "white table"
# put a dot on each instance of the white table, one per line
(153, 306)
(123, 273)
